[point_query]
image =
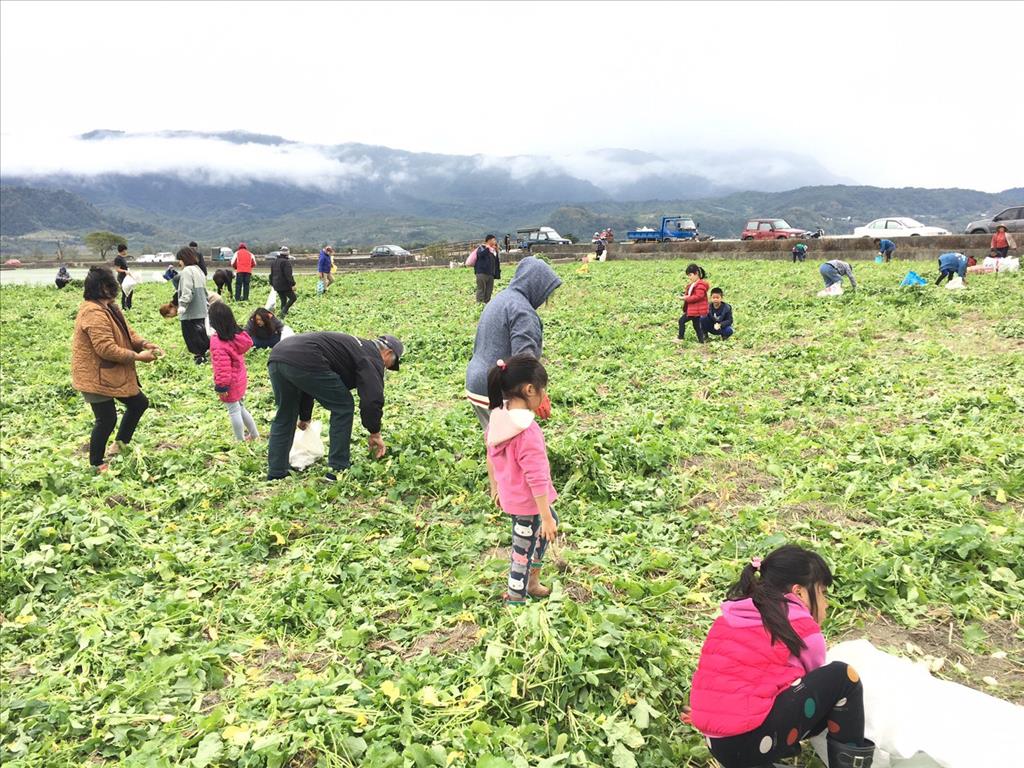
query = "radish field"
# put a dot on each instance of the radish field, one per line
(178, 610)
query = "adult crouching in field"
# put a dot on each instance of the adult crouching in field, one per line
(243, 262)
(326, 366)
(193, 304)
(324, 264)
(886, 248)
(104, 350)
(762, 684)
(282, 280)
(833, 272)
(950, 265)
(264, 329)
(487, 269)
(224, 278)
(509, 326)
(63, 277)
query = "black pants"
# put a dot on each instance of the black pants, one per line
(196, 340)
(484, 288)
(945, 276)
(106, 419)
(288, 299)
(829, 697)
(242, 280)
(698, 327)
(294, 390)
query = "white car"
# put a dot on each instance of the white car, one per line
(146, 258)
(897, 226)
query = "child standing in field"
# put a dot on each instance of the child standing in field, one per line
(227, 352)
(517, 464)
(762, 685)
(695, 301)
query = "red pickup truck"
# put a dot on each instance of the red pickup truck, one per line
(771, 229)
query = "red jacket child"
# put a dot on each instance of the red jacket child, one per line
(696, 298)
(228, 358)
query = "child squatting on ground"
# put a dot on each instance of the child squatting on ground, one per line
(517, 464)
(695, 301)
(230, 379)
(718, 320)
(762, 685)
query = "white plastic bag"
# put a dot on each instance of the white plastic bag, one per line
(307, 446)
(918, 721)
(955, 283)
(271, 300)
(836, 289)
(129, 283)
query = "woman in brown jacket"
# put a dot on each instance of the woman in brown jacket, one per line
(104, 350)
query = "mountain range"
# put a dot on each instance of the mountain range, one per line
(266, 189)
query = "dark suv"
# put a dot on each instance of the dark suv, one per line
(1012, 218)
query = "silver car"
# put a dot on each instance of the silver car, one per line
(1012, 218)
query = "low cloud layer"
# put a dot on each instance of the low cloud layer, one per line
(239, 158)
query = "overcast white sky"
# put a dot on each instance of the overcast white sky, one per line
(916, 94)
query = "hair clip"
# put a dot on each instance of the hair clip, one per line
(502, 364)
(755, 562)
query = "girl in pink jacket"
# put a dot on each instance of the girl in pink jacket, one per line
(762, 685)
(519, 471)
(227, 353)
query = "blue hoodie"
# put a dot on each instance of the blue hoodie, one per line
(323, 264)
(509, 324)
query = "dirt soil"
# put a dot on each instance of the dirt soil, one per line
(936, 641)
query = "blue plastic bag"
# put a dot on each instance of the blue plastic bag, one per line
(878, 259)
(913, 279)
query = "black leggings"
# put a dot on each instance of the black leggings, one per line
(106, 420)
(829, 697)
(698, 327)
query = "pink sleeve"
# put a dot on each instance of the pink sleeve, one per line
(813, 656)
(533, 460)
(220, 361)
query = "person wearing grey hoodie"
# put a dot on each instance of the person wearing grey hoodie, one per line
(509, 325)
(192, 304)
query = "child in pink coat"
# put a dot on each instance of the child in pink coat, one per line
(227, 353)
(762, 685)
(519, 471)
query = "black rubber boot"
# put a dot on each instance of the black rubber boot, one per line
(845, 756)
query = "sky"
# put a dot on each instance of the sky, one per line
(889, 94)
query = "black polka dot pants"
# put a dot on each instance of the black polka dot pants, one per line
(830, 697)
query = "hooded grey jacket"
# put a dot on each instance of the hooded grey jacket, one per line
(509, 324)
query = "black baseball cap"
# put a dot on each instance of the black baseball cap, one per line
(395, 346)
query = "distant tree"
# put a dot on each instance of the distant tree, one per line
(571, 237)
(103, 242)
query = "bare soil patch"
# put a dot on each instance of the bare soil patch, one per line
(456, 639)
(579, 593)
(944, 641)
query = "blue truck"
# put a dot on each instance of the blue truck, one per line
(672, 228)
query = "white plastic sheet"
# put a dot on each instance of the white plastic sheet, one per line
(918, 721)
